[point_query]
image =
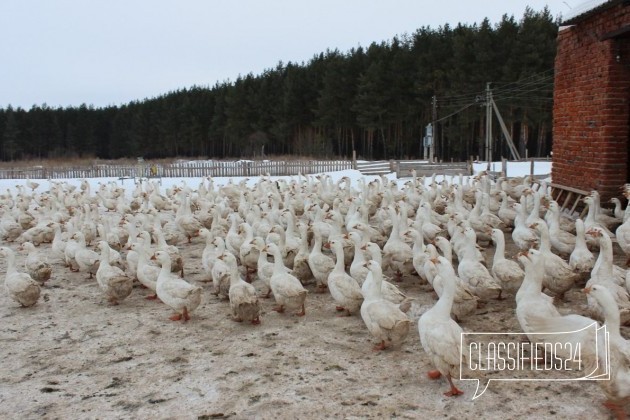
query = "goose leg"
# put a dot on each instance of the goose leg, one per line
(185, 315)
(302, 312)
(618, 410)
(176, 317)
(345, 313)
(279, 309)
(454, 391)
(256, 321)
(380, 346)
(434, 374)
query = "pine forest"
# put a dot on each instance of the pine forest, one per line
(375, 100)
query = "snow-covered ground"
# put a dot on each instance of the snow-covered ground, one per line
(514, 169)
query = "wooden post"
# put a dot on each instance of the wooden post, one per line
(531, 167)
(504, 167)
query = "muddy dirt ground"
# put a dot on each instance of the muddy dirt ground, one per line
(74, 356)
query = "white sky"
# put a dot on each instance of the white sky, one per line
(110, 52)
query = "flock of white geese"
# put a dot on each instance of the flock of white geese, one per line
(340, 238)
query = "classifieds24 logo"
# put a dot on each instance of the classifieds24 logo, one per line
(560, 356)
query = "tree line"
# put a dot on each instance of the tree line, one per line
(375, 100)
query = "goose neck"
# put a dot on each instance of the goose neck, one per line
(499, 253)
(444, 305)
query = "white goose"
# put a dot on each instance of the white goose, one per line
(473, 273)
(358, 270)
(617, 389)
(286, 288)
(390, 291)
(248, 252)
(507, 272)
(603, 274)
(36, 264)
(591, 220)
(524, 237)
(397, 255)
(111, 279)
(176, 292)
(581, 260)
(209, 254)
(301, 268)
(604, 266)
(221, 273)
(59, 243)
(562, 241)
(464, 302)
(506, 213)
(86, 259)
(344, 289)
(383, 319)
(184, 218)
(559, 277)
(146, 273)
(20, 286)
(177, 262)
(264, 268)
(243, 299)
(531, 302)
(623, 238)
(321, 265)
(441, 336)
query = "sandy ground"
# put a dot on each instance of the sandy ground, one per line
(73, 356)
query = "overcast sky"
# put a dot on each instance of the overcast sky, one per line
(110, 52)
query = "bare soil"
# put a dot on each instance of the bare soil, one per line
(73, 356)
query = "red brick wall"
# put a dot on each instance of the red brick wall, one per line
(591, 105)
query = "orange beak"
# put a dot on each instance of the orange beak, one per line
(587, 290)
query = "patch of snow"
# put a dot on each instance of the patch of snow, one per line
(583, 8)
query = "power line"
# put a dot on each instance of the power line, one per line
(456, 112)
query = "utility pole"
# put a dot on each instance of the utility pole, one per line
(434, 125)
(490, 107)
(488, 125)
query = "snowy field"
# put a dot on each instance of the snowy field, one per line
(515, 169)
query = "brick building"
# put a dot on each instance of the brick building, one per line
(591, 115)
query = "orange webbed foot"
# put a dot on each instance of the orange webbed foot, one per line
(380, 346)
(453, 392)
(617, 410)
(434, 374)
